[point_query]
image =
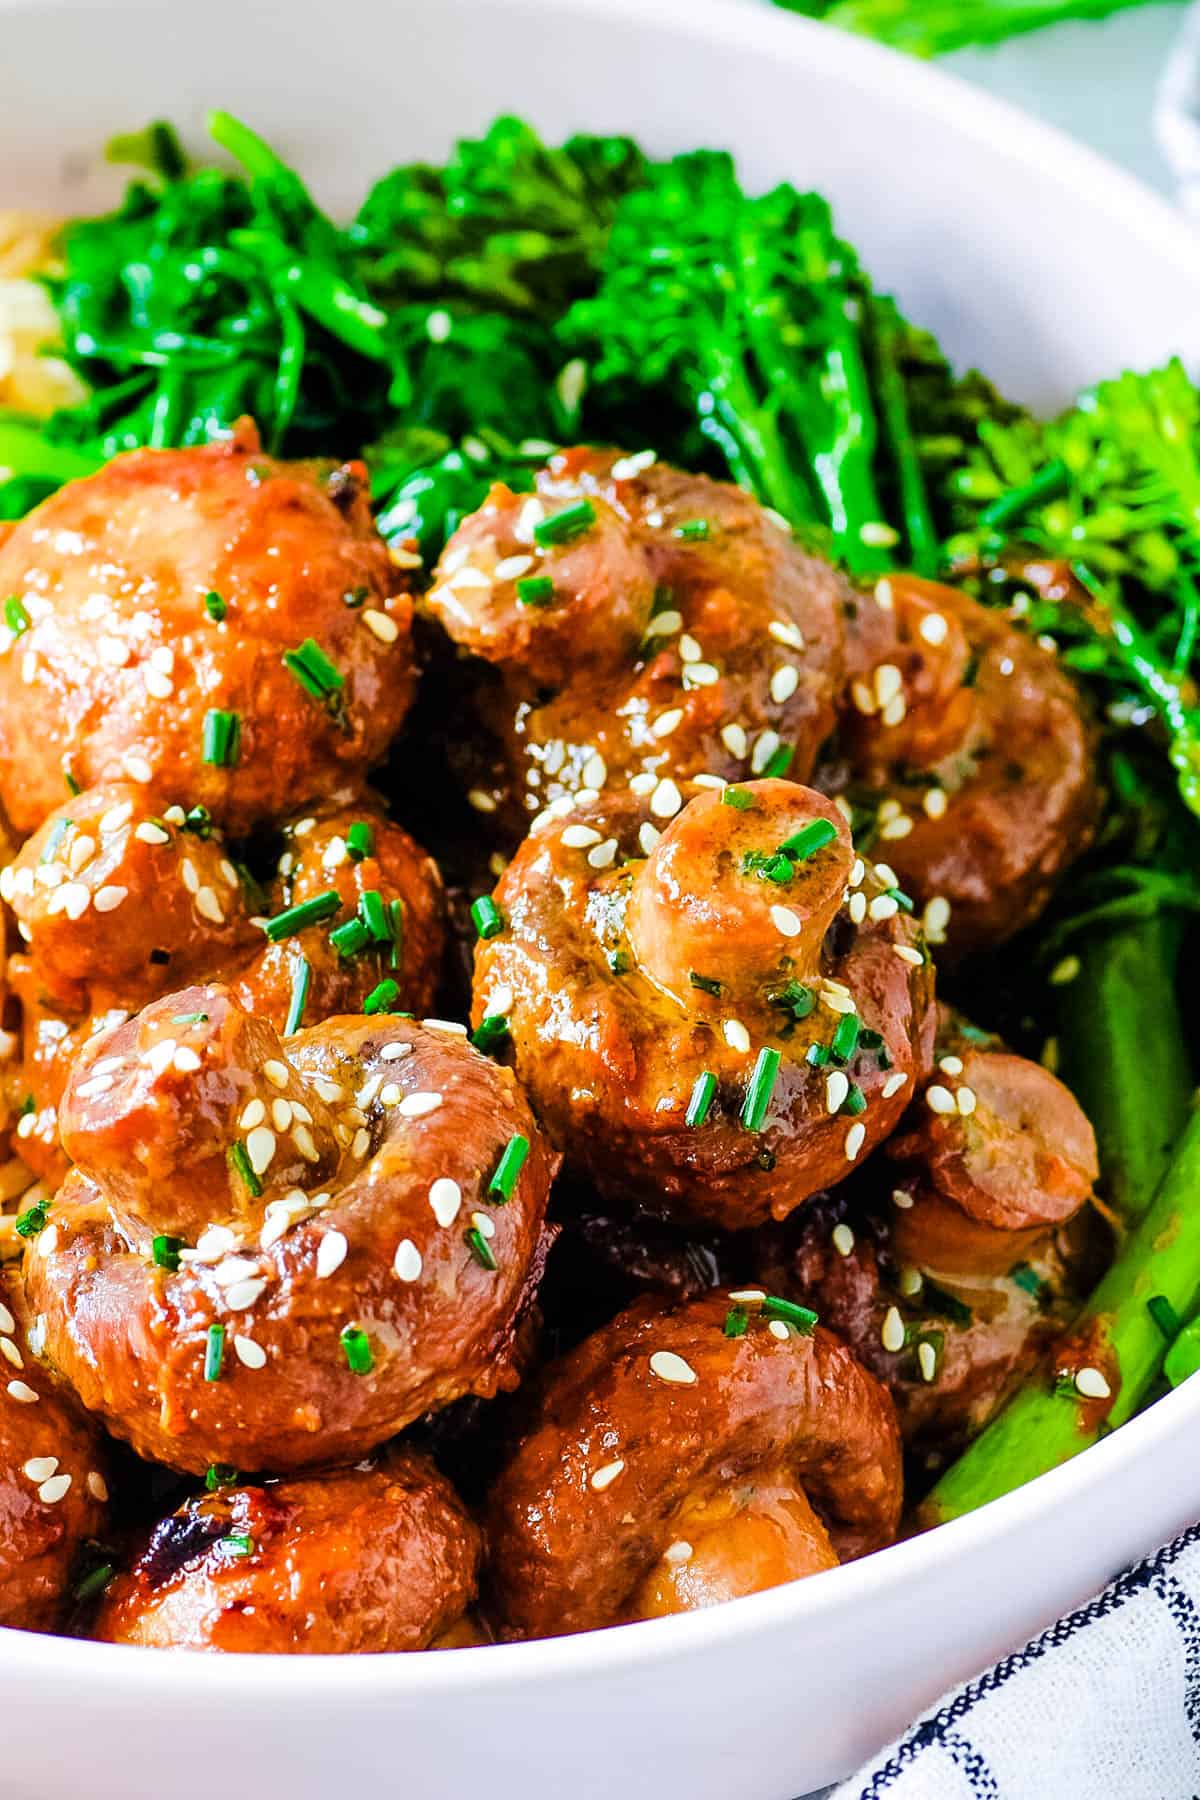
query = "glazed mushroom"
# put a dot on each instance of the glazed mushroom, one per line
(954, 1261)
(276, 1255)
(714, 1013)
(378, 1558)
(684, 1456)
(120, 899)
(970, 750)
(53, 1490)
(641, 622)
(222, 627)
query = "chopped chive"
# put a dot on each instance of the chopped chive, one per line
(189, 1018)
(937, 1300)
(222, 737)
(490, 1032)
(480, 1249)
(779, 762)
(535, 590)
(619, 962)
(562, 526)
(73, 786)
(350, 938)
(301, 982)
(382, 999)
(705, 983)
(214, 1352)
(15, 616)
(360, 841)
(32, 1221)
(214, 606)
(94, 1582)
(240, 1162)
(845, 1037)
(738, 798)
(692, 529)
(509, 1167)
(489, 920)
(855, 1101)
(165, 1251)
(28, 1105)
(803, 1318)
(357, 1347)
(308, 912)
(396, 915)
(313, 670)
(736, 1321)
(903, 901)
(58, 832)
(762, 1085)
(870, 1040)
(374, 915)
(795, 998)
(239, 1543)
(198, 820)
(1183, 1356)
(817, 1055)
(220, 1475)
(1028, 1279)
(1164, 1316)
(703, 1092)
(809, 839)
(355, 597)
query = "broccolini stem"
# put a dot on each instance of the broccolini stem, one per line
(1047, 484)
(1042, 1426)
(750, 437)
(26, 450)
(924, 549)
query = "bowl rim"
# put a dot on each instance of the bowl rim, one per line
(740, 26)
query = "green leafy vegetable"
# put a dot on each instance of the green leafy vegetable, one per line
(933, 27)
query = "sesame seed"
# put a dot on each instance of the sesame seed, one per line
(965, 1101)
(40, 1468)
(47, 1243)
(934, 628)
(641, 785)
(667, 722)
(82, 851)
(909, 955)
(109, 898)
(260, 1148)
(855, 1138)
(883, 907)
(361, 1144)
(936, 918)
(22, 1392)
(935, 802)
(137, 768)
(485, 1226)
(894, 1083)
(185, 1061)
(481, 801)
(671, 1368)
(689, 649)
(234, 1269)
(406, 1263)
(1092, 1384)
(717, 782)
(213, 1243)
(603, 855)
(1065, 971)
(302, 1137)
(626, 467)
(950, 1065)
(253, 1113)
(901, 1199)
(857, 907)
(857, 871)
(74, 899)
(380, 625)
(607, 1475)
(7, 1322)
(765, 746)
(910, 1281)
(939, 1099)
(97, 1487)
(415, 1106)
(784, 632)
(509, 568)
(54, 1490)
(779, 1330)
(678, 1552)
(837, 1086)
(331, 1253)
(666, 799)
(788, 923)
(736, 1035)
(701, 674)
(393, 1051)
(896, 828)
(734, 739)
(594, 771)
(664, 624)
(863, 698)
(843, 1240)
(648, 836)
(895, 712)
(209, 907)
(10, 1353)
(579, 837)
(837, 1002)
(243, 1294)
(927, 1355)
(892, 1334)
(445, 1197)
(249, 1354)
(888, 683)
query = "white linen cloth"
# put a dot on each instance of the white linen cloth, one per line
(1105, 1705)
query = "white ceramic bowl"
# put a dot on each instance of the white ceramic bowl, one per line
(1025, 254)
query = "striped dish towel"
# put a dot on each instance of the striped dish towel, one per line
(1105, 1705)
